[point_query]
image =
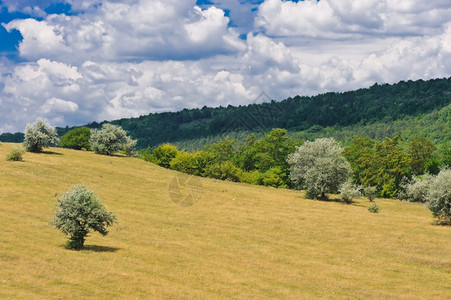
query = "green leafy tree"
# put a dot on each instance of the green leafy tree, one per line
(392, 165)
(223, 151)
(163, 154)
(39, 135)
(445, 151)
(319, 166)
(224, 171)
(269, 153)
(78, 212)
(275, 177)
(423, 157)
(109, 140)
(380, 164)
(360, 154)
(194, 163)
(77, 139)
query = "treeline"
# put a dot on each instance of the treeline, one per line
(386, 164)
(379, 103)
(257, 161)
(380, 164)
(17, 137)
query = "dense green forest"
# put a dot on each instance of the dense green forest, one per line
(410, 109)
(383, 104)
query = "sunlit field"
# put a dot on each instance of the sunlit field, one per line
(237, 241)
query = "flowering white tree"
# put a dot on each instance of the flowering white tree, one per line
(39, 135)
(319, 166)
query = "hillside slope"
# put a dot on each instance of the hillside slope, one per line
(237, 241)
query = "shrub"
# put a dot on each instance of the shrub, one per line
(439, 197)
(370, 192)
(374, 208)
(39, 135)
(320, 166)
(129, 147)
(416, 189)
(349, 191)
(110, 139)
(77, 139)
(15, 154)
(163, 154)
(224, 171)
(192, 163)
(249, 176)
(274, 177)
(79, 211)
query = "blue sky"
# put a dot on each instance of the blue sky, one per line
(77, 61)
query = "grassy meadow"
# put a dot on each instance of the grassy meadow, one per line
(237, 241)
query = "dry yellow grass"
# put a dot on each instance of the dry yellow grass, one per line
(238, 241)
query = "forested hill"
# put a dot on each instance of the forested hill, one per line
(364, 106)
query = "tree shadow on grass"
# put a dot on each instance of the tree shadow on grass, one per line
(97, 248)
(94, 248)
(49, 153)
(330, 198)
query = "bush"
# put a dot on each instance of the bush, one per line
(249, 176)
(192, 163)
(370, 192)
(77, 139)
(439, 197)
(274, 177)
(320, 166)
(15, 154)
(39, 135)
(416, 189)
(79, 211)
(111, 139)
(349, 191)
(163, 154)
(129, 147)
(224, 171)
(374, 208)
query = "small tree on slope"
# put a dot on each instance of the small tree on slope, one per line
(110, 139)
(39, 135)
(79, 211)
(319, 166)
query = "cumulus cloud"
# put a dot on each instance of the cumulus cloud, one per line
(138, 30)
(130, 58)
(352, 19)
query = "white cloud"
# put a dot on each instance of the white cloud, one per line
(40, 39)
(139, 30)
(55, 105)
(352, 19)
(129, 58)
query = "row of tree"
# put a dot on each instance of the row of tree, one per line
(269, 160)
(108, 140)
(258, 161)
